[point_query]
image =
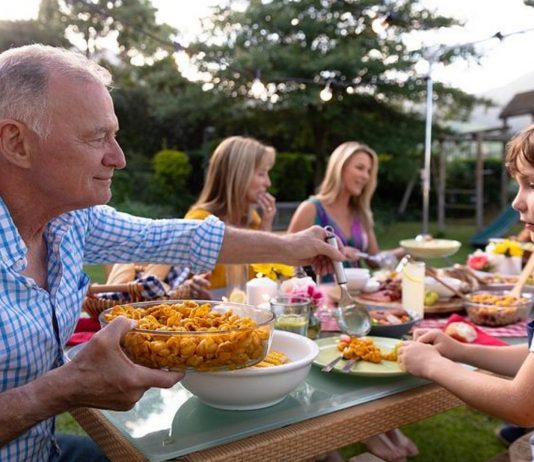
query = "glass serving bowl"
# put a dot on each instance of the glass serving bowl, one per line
(496, 308)
(195, 335)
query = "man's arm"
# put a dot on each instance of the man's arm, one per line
(100, 376)
(302, 248)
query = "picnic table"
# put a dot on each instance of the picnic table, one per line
(326, 412)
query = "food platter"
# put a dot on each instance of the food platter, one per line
(452, 305)
(449, 306)
(328, 351)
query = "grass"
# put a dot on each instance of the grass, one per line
(457, 435)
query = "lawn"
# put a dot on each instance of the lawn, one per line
(457, 435)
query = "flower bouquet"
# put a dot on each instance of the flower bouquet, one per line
(505, 256)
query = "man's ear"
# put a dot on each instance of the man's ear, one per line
(15, 143)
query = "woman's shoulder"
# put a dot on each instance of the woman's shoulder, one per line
(197, 214)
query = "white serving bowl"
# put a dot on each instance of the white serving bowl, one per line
(255, 387)
(357, 278)
(433, 248)
(432, 285)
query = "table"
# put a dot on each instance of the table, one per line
(326, 412)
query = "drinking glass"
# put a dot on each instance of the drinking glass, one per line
(236, 279)
(291, 313)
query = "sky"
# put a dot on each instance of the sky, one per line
(503, 61)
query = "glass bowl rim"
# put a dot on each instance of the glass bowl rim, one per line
(104, 322)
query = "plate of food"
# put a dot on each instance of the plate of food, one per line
(374, 366)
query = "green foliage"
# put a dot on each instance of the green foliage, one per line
(26, 32)
(171, 172)
(298, 46)
(292, 176)
(133, 22)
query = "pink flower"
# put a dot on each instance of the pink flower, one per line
(478, 261)
(303, 287)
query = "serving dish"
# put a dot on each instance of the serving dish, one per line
(194, 335)
(432, 248)
(496, 308)
(387, 322)
(255, 387)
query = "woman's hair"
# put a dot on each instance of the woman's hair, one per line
(24, 76)
(230, 172)
(332, 184)
(520, 148)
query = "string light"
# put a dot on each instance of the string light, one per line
(326, 93)
(257, 89)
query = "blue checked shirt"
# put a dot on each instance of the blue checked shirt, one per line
(29, 344)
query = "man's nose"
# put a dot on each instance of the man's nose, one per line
(115, 157)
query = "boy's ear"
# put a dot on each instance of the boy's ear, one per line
(14, 143)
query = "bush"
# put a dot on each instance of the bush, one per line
(292, 176)
(171, 173)
(171, 170)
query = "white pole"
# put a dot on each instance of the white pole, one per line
(428, 147)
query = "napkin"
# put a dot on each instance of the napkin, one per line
(482, 337)
(84, 330)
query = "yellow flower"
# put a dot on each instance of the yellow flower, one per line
(508, 248)
(273, 271)
(515, 249)
(500, 248)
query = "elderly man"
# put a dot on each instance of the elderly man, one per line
(57, 156)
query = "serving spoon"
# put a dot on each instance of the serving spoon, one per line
(352, 318)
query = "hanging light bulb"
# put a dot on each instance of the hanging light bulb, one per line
(379, 25)
(258, 90)
(326, 93)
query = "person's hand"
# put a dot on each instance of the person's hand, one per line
(309, 247)
(267, 204)
(444, 344)
(351, 253)
(102, 376)
(199, 286)
(417, 358)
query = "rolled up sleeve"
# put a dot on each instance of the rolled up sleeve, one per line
(113, 237)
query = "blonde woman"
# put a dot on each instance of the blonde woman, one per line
(344, 201)
(235, 187)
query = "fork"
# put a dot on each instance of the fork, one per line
(348, 367)
(331, 364)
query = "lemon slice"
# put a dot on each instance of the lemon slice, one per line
(237, 296)
(411, 277)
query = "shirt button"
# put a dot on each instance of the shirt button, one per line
(19, 264)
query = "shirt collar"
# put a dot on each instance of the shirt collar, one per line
(12, 247)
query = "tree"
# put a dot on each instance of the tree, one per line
(298, 47)
(133, 22)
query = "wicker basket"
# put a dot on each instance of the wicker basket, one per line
(93, 305)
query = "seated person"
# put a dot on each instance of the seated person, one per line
(344, 202)
(236, 186)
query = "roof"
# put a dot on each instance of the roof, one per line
(521, 104)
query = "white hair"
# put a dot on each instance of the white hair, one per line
(24, 77)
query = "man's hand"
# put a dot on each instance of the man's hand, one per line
(102, 376)
(309, 247)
